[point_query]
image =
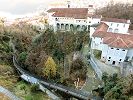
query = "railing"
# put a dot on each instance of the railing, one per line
(95, 67)
(71, 91)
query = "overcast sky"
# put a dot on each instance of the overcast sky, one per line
(28, 6)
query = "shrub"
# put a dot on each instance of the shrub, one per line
(97, 53)
(34, 87)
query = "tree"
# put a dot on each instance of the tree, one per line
(117, 10)
(34, 87)
(50, 68)
(104, 77)
(78, 70)
(22, 56)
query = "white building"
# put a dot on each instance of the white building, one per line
(114, 39)
(72, 18)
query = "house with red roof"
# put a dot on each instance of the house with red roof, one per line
(114, 39)
(72, 18)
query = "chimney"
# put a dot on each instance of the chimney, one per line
(90, 6)
(128, 21)
(68, 3)
(90, 9)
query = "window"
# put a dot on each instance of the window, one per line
(117, 49)
(110, 29)
(124, 25)
(111, 24)
(123, 50)
(89, 21)
(56, 19)
(116, 30)
(117, 25)
(109, 57)
(108, 60)
(120, 59)
(112, 48)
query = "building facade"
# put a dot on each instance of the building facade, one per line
(114, 39)
(78, 19)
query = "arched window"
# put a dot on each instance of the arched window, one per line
(78, 28)
(110, 30)
(56, 19)
(116, 30)
(71, 27)
(58, 26)
(62, 26)
(66, 26)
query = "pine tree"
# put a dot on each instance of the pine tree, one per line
(50, 68)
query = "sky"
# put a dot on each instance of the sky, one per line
(21, 7)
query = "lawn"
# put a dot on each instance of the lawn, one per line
(23, 90)
(92, 82)
(9, 80)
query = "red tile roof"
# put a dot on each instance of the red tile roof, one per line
(115, 20)
(116, 40)
(77, 13)
(130, 31)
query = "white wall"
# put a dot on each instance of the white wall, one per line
(130, 54)
(122, 27)
(92, 30)
(67, 20)
(104, 52)
(97, 43)
(116, 55)
(95, 21)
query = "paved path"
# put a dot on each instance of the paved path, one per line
(106, 68)
(8, 93)
(96, 67)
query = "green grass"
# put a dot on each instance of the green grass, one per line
(92, 82)
(23, 91)
(7, 77)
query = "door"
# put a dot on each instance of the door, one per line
(113, 63)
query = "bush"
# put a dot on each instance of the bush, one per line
(22, 56)
(29, 97)
(97, 53)
(34, 87)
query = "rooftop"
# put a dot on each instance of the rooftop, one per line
(116, 40)
(77, 13)
(115, 20)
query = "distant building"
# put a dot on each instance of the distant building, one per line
(72, 18)
(114, 39)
